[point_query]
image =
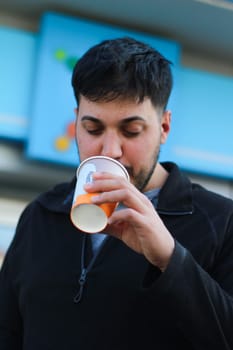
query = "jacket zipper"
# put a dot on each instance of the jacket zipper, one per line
(84, 270)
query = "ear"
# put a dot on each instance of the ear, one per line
(165, 126)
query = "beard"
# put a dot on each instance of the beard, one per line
(142, 178)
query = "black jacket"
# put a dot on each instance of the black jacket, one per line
(126, 302)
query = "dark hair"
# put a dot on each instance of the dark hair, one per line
(123, 68)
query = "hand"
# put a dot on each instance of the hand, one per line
(138, 225)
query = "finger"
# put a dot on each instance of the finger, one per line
(105, 185)
(114, 188)
(129, 197)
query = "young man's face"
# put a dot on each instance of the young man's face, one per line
(127, 131)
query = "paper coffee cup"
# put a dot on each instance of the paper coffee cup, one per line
(85, 215)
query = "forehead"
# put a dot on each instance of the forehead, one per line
(116, 110)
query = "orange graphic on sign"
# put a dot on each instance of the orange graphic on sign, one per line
(62, 143)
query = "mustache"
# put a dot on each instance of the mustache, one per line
(129, 170)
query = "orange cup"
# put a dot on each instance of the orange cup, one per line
(85, 215)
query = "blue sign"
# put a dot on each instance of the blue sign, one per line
(62, 41)
(202, 140)
(17, 60)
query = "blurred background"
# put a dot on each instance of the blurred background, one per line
(40, 41)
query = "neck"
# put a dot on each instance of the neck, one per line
(158, 178)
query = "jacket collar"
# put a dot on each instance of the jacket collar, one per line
(175, 197)
(59, 199)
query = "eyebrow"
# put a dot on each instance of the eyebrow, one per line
(123, 122)
(90, 118)
(132, 119)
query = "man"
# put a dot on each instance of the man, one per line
(161, 275)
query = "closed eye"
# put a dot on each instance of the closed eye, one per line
(132, 127)
(130, 134)
(92, 125)
(94, 131)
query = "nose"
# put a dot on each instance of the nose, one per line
(112, 146)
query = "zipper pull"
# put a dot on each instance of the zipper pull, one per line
(81, 281)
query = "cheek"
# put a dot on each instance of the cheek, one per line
(142, 151)
(87, 146)
(135, 151)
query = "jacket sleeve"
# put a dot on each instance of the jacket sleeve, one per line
(11, 329)
(10, 321)
(200, 303)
